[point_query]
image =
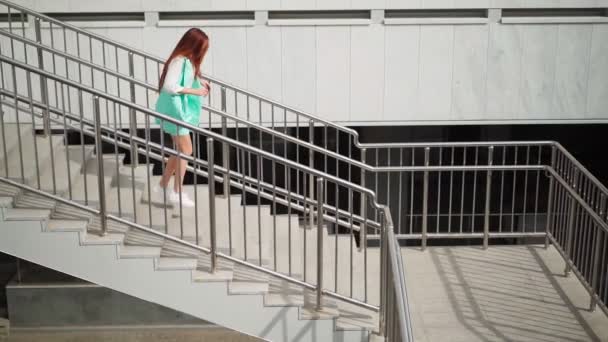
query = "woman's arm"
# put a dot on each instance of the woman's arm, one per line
(171, 83)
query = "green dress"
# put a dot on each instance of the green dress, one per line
(183, 107)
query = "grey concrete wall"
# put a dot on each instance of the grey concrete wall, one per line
(85, 305)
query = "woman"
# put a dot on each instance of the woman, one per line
(180, 97)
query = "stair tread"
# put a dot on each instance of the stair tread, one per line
(32, 200)
(108, 239)
(16, 214)
(355, 323)
(139, 252)
(6, 202)
(11, 133)
(247, 287)
(309, 312)
(176, 263)
(77, 162)
(219, 276)
(9, 190)
(67, 225)
(30, 165)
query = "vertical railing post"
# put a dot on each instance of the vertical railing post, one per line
(486, 221)
(383, 271)
(425, 198)
(225, 148)
(596, 258)
(100, 171)
(46, 120)
(570, 232)
(132, 114)
(549, 219)
(363, 230)
(311, 164)
(319, 243)
(211, 178)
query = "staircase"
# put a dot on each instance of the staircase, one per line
(152, 267)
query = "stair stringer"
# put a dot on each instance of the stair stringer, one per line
(137, 277)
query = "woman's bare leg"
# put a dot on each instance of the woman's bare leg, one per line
(169, 171)
(183, 144)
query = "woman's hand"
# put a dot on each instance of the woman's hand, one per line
(204, 91)
(199, 92)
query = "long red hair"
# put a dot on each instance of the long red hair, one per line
(193, 45)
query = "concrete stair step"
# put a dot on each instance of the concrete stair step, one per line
(20, 214)
(67, 212)
(136, 252)
(6, 202)
(86, 188)
(112, 226)
(310, 312)
(108, 239)
(32, 166)
(355, 322)
(69, 162)
(9, 137)
(32, 200)
(174, 249)
(283, 299)
(204, 263)
(205, 276)
(169, 264)
(247, 288)
(136, 237)
(67, 225)
(9, 190)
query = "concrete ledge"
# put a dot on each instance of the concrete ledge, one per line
(555, 20)
(435, 21)
(319, 22)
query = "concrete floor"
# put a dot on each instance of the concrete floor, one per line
(515, 293)
(132, 335)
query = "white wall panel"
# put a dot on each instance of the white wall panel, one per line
(469, 72)
(229, 46)
(504, 71)
(597, 102)
(333, 73)
(369, 4)
(367, 73)
(264, 63)
(263, 4)
(436, 58)
(297, 4)
(332, 4)
(401, 72)
(402, 4)
(571, 73)
(376, 73)
(299, 67)
(538, 71)
(228, 5)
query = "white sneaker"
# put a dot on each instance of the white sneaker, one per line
(159, 192)
(185, 200)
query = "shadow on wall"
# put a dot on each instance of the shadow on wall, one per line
(506, 294)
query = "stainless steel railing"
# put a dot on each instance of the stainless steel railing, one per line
(100, 62)
(115, 68)
(355, 287)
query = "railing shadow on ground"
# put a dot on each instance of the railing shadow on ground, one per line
(495, 301)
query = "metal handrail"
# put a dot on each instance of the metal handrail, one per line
(197, 129)
(314, 119)
(218, 137)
